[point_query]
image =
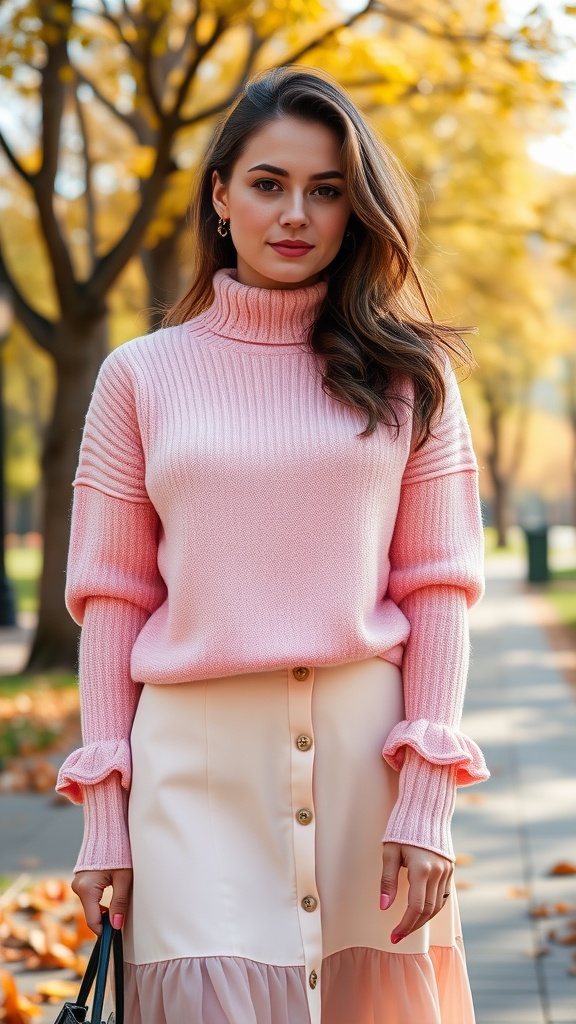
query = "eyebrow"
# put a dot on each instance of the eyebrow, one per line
(284, 174)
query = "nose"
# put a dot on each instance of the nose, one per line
(294, 213)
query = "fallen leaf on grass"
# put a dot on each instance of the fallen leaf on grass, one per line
(52, 896)
(54, 990)
(13, 956)
(55, 956)
(16, 1008)
(52, 936)
(563, 867)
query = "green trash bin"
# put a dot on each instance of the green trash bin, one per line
(537, 550)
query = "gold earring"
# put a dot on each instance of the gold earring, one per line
(223, 229)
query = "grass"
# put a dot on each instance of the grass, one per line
(564, 602)
(563, 574)
(10, 686)
(515, 544)
(23, 567)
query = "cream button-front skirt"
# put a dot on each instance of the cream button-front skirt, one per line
(256, 817)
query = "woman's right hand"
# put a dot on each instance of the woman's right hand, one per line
(89, 886)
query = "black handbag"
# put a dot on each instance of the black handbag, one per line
(97, 970)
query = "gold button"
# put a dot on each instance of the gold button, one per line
(313, 979)
(309, 903)
(301, 673)
(304, 742)
(304, 816)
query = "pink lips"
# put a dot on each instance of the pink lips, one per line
(291, 247)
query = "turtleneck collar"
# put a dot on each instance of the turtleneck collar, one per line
(264, 316)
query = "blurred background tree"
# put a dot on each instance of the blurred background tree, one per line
(111, 103)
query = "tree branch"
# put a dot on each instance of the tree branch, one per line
(13, 159)
(109, 266)
(208, 112)
(52, 98)
(325, 36)
(89, 194)
(105, 15)
(41, 329)
(133, 121)
(201, 52)
(439, 33)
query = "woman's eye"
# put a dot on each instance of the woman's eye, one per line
(266, 185)
(327, 191)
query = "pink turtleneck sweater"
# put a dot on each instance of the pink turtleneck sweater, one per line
(228, 519)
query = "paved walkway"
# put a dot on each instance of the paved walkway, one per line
(522, 712)
(511, 829)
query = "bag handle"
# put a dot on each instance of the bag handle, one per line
(97, 970)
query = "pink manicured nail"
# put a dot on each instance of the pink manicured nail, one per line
(396, 937)
(385, 901)
(118, 921)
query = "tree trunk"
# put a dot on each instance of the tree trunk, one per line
(494, 459)
(81, 346)
(500, 506)
(163, 268)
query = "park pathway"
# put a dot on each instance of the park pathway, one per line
(522, 712)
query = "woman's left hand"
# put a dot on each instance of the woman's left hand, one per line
(429, 878)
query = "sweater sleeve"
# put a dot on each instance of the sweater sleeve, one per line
(112, 586)
(436, 574)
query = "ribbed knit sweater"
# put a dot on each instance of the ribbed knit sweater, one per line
(227, 518)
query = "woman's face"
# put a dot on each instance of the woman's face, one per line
(287, 204)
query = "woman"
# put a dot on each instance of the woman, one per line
(275, 537)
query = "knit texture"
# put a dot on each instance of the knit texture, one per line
(227, 518)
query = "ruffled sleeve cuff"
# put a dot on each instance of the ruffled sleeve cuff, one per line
(438, 744)
(90, 765)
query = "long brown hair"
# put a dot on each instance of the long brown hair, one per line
(375, 324)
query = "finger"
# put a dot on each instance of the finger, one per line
(442, 890)
(445, 887)
(391, 861)
(89, 886)
(426, 889)
(423, 879)
(418, 905)
(121, 885)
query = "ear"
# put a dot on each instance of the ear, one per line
(219, 195)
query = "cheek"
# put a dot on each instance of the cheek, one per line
(335, 225)
(248, 214)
